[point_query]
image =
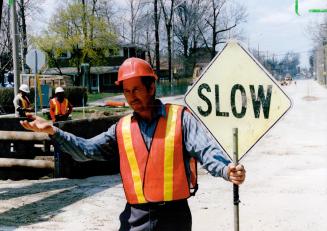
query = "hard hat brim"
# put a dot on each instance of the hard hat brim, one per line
(118, 82)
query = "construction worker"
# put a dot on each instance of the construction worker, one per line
(156, 145)
(21, 102)
(60, 108)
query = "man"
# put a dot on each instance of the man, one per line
(21, 101)
(156, 146)
(60, 108)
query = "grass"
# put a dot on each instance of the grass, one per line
(93, 112)
(96, 96)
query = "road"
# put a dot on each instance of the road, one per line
(285, 190)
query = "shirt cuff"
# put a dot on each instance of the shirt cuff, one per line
(225, 173)
(58, 133)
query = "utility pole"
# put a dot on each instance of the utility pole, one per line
(14, 34)
(324, 60)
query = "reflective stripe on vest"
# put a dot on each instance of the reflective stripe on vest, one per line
(155, 175)
(58, 109)
(25, 102)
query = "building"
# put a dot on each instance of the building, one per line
(102, 78)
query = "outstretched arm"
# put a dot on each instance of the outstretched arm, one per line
(100, 147)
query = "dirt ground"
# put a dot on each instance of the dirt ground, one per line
(286, 187)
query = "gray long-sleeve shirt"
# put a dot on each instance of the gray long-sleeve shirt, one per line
(197, 141)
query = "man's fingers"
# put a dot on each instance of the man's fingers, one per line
(237, 182)
(26, 125)
(236, 173)
(240, 167)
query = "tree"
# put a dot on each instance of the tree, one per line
(26, 8)
(1, 3)
(189, 17)
(51, 46)
(5, 41)
(221, 17)
(167, 9)
(156, 19)
(77, 29)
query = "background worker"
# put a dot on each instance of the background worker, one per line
(156, 145)
(21, 102)
(60, 108)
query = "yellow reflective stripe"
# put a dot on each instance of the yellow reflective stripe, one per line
(24, 102)
(127, 137)
(56, 106)
(169, 153)
(66, 104)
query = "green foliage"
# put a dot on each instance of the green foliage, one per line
(7, 96)
(6, 99)
(74, 95)
(77, 29)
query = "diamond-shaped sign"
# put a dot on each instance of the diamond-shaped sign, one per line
(235, 91)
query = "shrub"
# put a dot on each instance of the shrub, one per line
(6, 100)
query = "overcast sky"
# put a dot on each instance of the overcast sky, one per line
(272, 25)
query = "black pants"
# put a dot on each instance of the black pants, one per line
(168, 216)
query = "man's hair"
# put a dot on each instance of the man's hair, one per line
(147, 81)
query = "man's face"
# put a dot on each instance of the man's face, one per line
(60, 96)
(136, 94)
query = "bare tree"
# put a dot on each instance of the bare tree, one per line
(1, 3)
(106, 9)
(156, 32)
(136, 10)
(222, 17)
(26, 9)
(5, 41)
(167, 9)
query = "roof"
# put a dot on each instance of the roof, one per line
(73, 70)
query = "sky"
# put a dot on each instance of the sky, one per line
(272, 25)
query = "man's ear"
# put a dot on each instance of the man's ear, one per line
(152, 88)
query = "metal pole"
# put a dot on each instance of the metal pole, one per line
(35, 84)
(14, 45)
(172, 49)
(235, 187)
(325, 64)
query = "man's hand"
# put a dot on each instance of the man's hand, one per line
(236, 174)
(38, 125)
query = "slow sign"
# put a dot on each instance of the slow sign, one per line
(235, 91)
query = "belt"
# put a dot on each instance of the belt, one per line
(162, 204)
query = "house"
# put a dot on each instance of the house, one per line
(102, 78)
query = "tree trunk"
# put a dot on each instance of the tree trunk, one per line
(157, 46)
(23, 31)
(1, 3)
(169, 52)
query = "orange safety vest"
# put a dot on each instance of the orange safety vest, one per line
(25, 102)
(157, 174)
(60, 108)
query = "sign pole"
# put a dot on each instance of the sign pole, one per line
(235, 186)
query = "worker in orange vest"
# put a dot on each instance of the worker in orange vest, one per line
(60, 108)
(157, 146)
(21, 102)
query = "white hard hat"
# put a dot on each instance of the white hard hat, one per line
(24, 88)
(58, 90)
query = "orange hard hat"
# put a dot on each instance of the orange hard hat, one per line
(134, 67)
